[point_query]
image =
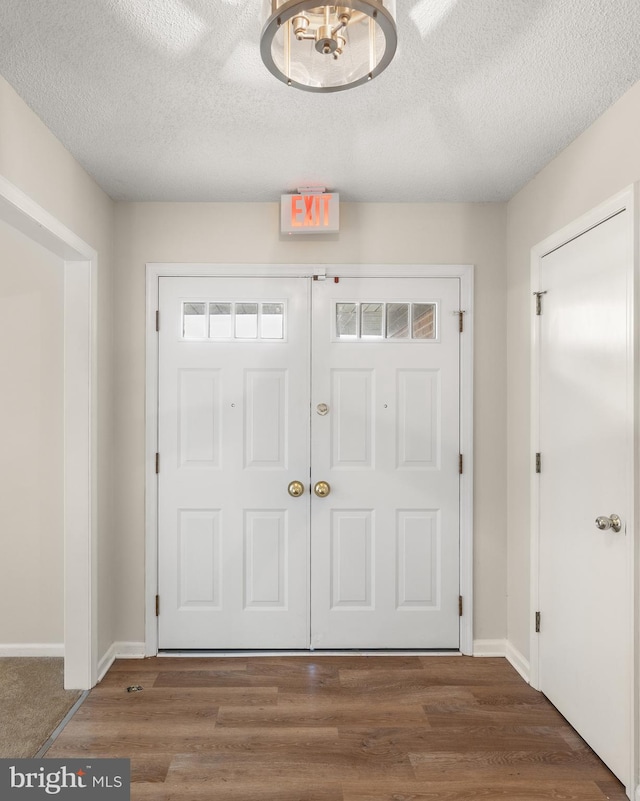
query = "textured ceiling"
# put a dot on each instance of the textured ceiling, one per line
(169, 100)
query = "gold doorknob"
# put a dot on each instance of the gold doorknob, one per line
(322, 489)
(295, 489)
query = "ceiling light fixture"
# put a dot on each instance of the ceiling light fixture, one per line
(328, 48)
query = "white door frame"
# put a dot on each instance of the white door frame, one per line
(463, 272)
(627, 200)
(80, 427)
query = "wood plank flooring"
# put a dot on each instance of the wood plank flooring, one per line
(334, 728)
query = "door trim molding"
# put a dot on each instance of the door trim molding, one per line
(627, 200)
(80, 427)
(154, 271)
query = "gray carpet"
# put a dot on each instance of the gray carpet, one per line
(32, 703)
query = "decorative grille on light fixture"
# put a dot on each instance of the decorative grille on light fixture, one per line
(321, 48)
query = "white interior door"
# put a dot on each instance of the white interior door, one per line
(236, 367)
(586, 438)
(385, 438)
(233, 433)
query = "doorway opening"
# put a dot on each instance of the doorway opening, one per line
(80, 427)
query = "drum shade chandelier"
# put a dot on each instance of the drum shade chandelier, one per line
(328, 48)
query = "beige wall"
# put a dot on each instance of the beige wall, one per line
(370, 233)
(35, 161)
(600, 163)
(31, 330)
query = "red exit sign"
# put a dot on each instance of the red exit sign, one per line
(313, 213)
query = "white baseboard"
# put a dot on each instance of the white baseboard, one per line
(119, 650)
(489, 647)
(32, 649)
(518, 662)
(105, 663)
(129, 650)
(506, 649)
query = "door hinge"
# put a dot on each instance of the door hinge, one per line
(157, 606)
(157, 462)
(157, 320)
(537, 622)
(460, 463)
(538, 297)
(459, 605)
(461, 315)
(538, 463)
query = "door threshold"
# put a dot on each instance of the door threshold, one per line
(197, 653)
(58, 729)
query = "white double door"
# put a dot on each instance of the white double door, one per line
(349, 388)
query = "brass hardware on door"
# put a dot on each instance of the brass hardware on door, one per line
(605, 523)
(295, 489)
(322, 489)
(322, 409)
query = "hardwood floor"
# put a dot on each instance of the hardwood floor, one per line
(334, 728)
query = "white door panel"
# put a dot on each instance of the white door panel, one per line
(385, 542)
(585, 435)
(233, 544)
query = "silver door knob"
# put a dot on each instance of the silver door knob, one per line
(605, 523)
